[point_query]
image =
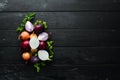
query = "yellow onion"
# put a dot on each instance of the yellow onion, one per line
(24, 35)
(33, 35)
(26, 56)
(33, 50)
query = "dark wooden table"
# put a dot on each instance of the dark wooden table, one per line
(86, 35)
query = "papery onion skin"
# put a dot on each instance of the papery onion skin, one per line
(25, 45)
(29, 26)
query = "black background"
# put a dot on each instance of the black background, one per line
(85, 32)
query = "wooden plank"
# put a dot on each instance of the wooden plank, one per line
(27, 72)
(62, 5)
(68, 55)
(70, 37)
(65, 20)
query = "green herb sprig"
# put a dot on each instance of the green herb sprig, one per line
(50, 48)
(28, 17)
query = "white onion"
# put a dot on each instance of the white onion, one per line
(29, 26)
(43, 55)
(34, 42)
(43, 36)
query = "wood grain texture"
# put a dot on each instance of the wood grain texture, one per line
(65, 20)
(70, 37)
(68, 55)
(86, 35)
(27, 72)
(62, 5)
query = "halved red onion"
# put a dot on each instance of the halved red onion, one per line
(43, 55)
(43, 36)
(29, 26)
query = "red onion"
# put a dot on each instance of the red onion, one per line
(42, 45)
(25, 45)
(38, 28)
(34, 59)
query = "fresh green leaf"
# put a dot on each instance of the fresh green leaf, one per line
(50, 47)
(48, 43)
(32, 14)
(38, 69)
(43, 64)
(49, 59)
(45, 25)
(24, 20)
(51, 42)
(28, 17)
(36, 54)
(37, 66)
(37, 22)
(19, 29)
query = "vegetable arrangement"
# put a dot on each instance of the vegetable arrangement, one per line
(36, 46)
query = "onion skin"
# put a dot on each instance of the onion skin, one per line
(34, 59)
(38, 28)
(42, 45)
(25, 45)
(24, 35)
(26, 56)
